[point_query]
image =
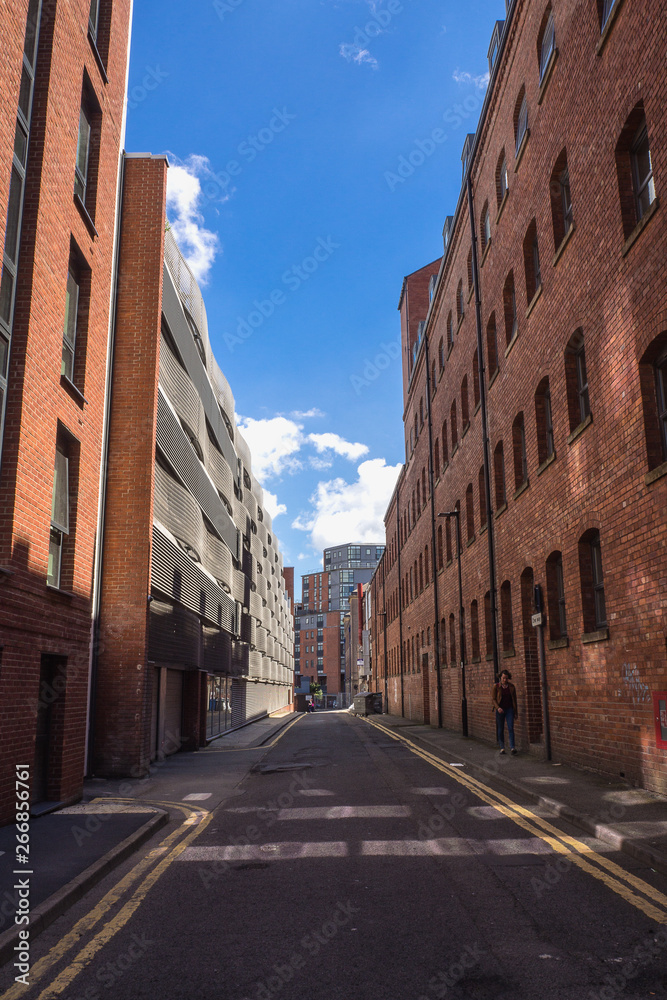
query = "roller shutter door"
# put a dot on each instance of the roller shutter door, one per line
(173, 711)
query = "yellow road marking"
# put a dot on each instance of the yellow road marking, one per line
(87, 922)
(560, 842)
(266, 746)
(67, 976)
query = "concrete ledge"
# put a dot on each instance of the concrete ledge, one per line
(45, 913)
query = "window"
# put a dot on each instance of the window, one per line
(465, 415)
(469, 269)
(443, 642)
(509, 302)
(576, 378)
(87, 150)
(474, 630)
(531, 260)
(592, 582)
(561, 200)
(491, 345)
(606, 7)
(75, 323)
(460, 309)
(441, 355)
(544, 423)
(546, 42)
(452, 640)
(486, 226)
(445, 452)
(520, 119)
(519, 452)
(499, 475)
(556, 597)
(63, 513)
(653, 382)
(470, 513)
(440, 552)
(481, 483)
(488, 628)
(502, 179)
(434, 378)
(450, 333)
(506, 617)
(635, 170)
(452, 420)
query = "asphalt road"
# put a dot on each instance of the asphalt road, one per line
(341, 863)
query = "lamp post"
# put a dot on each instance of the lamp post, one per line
(464, 701)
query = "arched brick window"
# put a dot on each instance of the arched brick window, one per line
(653, 382)
(441, 355)
(482, 498)
(450, 332)
(556, 596)
(485, 226)
(460, 309)
(520, 119)
(499, 475)
(544, 421)
(469, 270)
(452, 421)
(519, 452)
(546, 41)
(491, 346)
(488, 630)
(474, 631)
(593, 603)
(561, 199)
(465, 414)
(506, 617)
(443, 642)
(475, 377)
(509, 303)
(576, 380)
(634, 166)
(470, 513)
(502, 178)
(445, 444)
(531, 261)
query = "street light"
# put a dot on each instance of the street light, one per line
(464, 701)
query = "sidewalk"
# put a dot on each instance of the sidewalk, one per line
(631, 820)
(73, 849)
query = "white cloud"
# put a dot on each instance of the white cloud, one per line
(274, 508)
(333, 442)
(343, 512)
(354, 53)
(184, 198)
(307, 414)
(315, 462)
(273, 444)
(481, 81)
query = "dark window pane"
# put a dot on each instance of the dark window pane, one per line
(13, 212)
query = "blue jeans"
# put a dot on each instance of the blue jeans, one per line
(501, 717)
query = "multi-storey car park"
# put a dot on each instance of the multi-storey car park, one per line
(534, 395)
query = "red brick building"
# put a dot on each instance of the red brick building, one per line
(534, 405)
(62, 77)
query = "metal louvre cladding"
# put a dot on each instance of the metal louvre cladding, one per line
(176, 575)
(174, 443)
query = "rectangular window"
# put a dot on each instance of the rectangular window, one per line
(661, 395)
(59, 517)
(582, 384)
(82, 155)
(70, 325)
(566, 199)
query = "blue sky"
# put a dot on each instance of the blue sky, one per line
(286, 124)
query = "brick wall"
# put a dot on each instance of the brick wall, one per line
(124, 679)
(40, 405)
(601, 478)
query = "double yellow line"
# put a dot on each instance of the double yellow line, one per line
(623, 883)
(164, 854)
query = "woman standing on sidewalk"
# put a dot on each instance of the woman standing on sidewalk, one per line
(504, 704)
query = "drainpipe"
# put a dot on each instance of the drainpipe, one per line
(485, 430)
(431, 486)
(400, 602)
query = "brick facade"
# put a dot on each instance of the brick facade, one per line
(599, 484)
(45, 632)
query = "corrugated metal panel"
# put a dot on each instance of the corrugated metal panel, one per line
(238, 702)
(173, 635)
(174, 443)
(176, 575)
(178, 511)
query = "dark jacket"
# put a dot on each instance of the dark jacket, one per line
(495, 694)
